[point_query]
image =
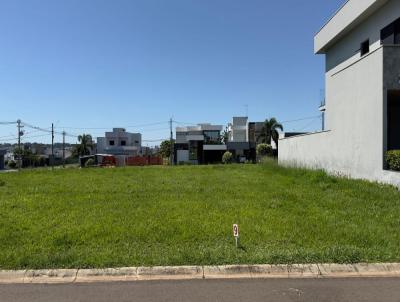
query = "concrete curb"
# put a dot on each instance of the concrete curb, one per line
(201, 272)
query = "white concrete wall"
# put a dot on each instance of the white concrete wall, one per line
(182, 156)
(347, 50)
(354, 144)
(347, 17)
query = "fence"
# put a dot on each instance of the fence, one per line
(143, 160)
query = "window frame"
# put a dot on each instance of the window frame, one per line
(364, 48)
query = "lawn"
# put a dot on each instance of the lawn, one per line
(79, 218)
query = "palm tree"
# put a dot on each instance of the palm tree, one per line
(85, 145)
(270, 132)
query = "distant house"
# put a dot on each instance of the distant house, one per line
(242, 139)
(199, 144)
(120, 142)
(2, 163)
(204, 144)
(361, 111)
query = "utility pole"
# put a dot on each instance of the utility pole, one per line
(63, 134)
(171, 140)
(20, 133)
(52, 145)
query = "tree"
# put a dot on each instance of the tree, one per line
(165, 149)
(264, 150)
(227, 158)
(84, 146)
(225, 136)
(270, 132)
(27, 157)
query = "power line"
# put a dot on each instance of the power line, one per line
(47, 130)
(309, 124)
(300, 119)
(126, 127)
(7, 136)
(9, 140)
(8, 123)
(34, 136)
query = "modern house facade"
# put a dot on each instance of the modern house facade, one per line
(204, 143)
(242, 138)
(120, 142)
(361, 44)
(199, 144)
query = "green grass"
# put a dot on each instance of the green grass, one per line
(183, 215)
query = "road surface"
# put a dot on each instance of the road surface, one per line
(265, 290)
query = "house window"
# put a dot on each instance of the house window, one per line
(212, 137)
(364, 48)
(136, 142)
(112, 143)
(123, 143)
(193, 151)
(390, 35)
(393, 117)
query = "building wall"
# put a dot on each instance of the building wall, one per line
(345, 17)
(133, 143)
(346, 52)
(353, 145)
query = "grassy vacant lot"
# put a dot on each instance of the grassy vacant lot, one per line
(184, 215)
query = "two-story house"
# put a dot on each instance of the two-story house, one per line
(361, 44)
(120, 142)
(199, 144)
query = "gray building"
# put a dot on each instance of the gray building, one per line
(120, 142)
(199, 144)
(361, 44)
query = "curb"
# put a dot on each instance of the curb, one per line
(201, 272)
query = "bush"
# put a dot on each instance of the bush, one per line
(89, 163)
(227, 157)
(393, 160)
(264, 150)
(12, 164)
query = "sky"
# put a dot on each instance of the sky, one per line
(90, 65)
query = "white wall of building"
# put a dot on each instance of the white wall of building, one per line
(353, 144)
(132, 142)
(239, 130)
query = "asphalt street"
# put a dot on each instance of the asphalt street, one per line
(326, 290)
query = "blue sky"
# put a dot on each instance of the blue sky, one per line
(102, 64)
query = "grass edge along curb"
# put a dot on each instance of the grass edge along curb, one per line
(200, 272)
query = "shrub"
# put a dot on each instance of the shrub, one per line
(12, 164)
(393, 160)
(227, 157)
(89, 163)
(264, 150)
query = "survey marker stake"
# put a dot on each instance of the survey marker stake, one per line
(236, 234)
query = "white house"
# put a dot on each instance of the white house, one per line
(362, 109)
(120, 142)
